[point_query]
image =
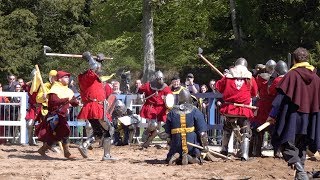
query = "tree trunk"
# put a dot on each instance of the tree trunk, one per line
(148, 41)
(236, 29)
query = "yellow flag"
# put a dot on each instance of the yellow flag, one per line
(35, 83)
(106, 78)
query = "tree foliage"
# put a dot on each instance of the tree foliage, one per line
(270, 29)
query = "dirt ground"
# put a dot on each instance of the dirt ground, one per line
(23, 162)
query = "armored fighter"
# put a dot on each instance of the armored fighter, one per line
(95, 105)
(264, 104)
(185, 123)
(237, 86)
(154, 109)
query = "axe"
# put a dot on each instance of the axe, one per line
(47, 48)
(208, 62)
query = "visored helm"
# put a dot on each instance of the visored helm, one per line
(241, 61)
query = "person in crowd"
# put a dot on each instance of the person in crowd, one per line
(212, 85)
(295, 112)
(154, 109)
(204, 103)
(191, 85)
(237, 86)
(137, 85)
(57, 128)
(116, 87)
(175, 85)
(10, 87)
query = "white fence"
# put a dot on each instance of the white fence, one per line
(12, 116)
(13, 123)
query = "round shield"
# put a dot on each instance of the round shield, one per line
(169, 101)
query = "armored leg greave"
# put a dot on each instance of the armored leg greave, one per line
(106, 149)
(151, 136)
(256, 143)
(227, 130)
(150, 133)
(301, 174)
(246, 135)
(88, 129)
(83, 148)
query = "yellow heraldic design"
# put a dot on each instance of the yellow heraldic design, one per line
(183, 130)
(303, 64)
(61, 91)
(106, 78)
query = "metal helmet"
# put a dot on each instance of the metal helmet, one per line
(270, 65)
(100, 57)
(241, 61)
(281, 68)
(159, 77)
(184, 97)
(120, 108)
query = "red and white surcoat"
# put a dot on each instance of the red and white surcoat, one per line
(237, 90)
(154, 107)
(93, 93)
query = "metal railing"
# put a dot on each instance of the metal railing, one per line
(13, 123)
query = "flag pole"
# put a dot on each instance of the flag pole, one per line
(40, 78)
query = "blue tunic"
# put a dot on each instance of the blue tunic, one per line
(195, 119)
(290, 122)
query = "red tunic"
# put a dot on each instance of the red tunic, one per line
(34, 107)
(272, 89)
(154, 107)
(93, 93)
(265, 101)
(248, 89)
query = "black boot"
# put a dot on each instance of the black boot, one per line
(301, 174)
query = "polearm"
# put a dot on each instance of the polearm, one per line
(47, 48)
(263, 126)
(289, 60)
(208, 62)
(214, 153)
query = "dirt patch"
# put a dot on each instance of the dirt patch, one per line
(23, 162)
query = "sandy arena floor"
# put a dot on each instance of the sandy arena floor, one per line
(23, 162)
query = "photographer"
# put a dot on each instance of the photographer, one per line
(192, 87)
